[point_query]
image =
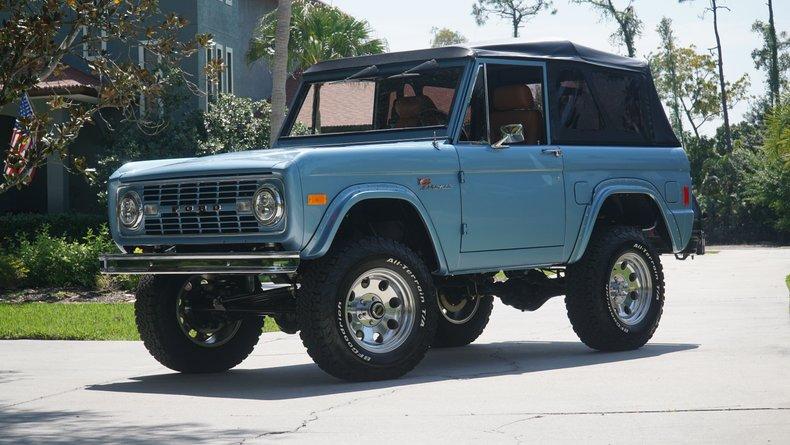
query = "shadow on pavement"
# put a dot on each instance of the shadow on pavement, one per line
(307, 380)
(88, 428)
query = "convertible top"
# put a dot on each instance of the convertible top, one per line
(550, 50)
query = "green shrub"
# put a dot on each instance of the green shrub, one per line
(126, 283)
(55, 261)
(71, 226)
(12, 272)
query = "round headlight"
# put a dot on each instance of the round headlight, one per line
(267, 204)
(130, 210)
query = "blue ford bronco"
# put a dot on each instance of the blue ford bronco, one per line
(405, 192)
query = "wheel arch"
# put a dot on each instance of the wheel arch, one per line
(611, 190)
(354, 199)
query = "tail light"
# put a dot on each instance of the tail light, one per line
(686, 195)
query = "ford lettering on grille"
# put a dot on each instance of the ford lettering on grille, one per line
(200, 207)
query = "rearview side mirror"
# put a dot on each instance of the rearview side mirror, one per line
(511, 134)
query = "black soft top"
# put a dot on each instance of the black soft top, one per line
(551, 50)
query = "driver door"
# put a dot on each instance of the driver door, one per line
(513, 197)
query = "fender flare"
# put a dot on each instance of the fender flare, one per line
(618, 186)
(333, 217)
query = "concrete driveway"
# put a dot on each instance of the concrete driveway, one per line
(718, 370)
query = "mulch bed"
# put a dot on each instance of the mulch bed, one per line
(61, 295)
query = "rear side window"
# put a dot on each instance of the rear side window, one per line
(576, 114)
(623, 101)
(598, 106)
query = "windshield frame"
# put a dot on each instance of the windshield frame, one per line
(377, 135)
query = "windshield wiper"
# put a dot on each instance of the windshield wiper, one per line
(411, 72)
(361, 75)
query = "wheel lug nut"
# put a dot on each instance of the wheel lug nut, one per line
(360, 335)
(632, 277)
(383, 286)
(394, 302)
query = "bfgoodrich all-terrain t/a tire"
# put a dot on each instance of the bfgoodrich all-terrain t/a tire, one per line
(367, 310)
(615, 293)
(190, 343)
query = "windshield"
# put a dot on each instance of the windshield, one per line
(382, 101)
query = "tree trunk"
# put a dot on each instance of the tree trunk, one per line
(629, 43)
(689, 117)
(515, 28)
(773, 75)
(724, 110)
(280, 68)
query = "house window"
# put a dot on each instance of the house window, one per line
(209, 81)
(92, 47)
(224, 80)
(229, 87)
(150, 61)
(220, 55)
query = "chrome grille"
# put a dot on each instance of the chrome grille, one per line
(200, 207)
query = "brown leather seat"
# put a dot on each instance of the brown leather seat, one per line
(514, 104)
(415, 111)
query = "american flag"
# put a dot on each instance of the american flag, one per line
(22, 142)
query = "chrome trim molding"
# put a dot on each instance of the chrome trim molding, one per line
(204, 263)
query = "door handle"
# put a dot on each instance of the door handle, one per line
(556, 152)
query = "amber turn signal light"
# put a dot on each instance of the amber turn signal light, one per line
(316, 200)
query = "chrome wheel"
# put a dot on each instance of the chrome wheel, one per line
(200, 327)
(380, 310)
(630, 288)
(460, 311)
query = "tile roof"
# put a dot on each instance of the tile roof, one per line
(69, 80)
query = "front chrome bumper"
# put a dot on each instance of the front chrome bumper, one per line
(204, 263)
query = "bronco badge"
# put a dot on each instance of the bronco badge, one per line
(426, 184)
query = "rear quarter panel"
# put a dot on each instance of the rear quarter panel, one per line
(663, 169)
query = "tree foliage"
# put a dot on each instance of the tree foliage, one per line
(318, 32)
(37, 38)
(629, 26)
(773, 58)
(446, 37)
(770, 186)
(714, 6)
(236, 124)
(516, 11)
(691, 77)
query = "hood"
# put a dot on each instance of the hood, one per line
(243, 162)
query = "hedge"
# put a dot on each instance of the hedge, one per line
(71, 226)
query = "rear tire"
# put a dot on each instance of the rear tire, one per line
(367, 310)
(454, 331)
(212, 343)
(615, 293)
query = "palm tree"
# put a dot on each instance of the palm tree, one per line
(281, 23)
(318, 32)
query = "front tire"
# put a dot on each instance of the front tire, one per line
(615, 293)
(367, 311)
(188, 341)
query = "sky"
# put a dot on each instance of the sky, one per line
(407, 24)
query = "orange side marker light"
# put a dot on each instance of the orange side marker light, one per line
(318, 199)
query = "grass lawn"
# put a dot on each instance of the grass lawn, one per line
(73, 321)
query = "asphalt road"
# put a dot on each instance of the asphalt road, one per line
(718, 370)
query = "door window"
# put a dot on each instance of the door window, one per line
(505, 95)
